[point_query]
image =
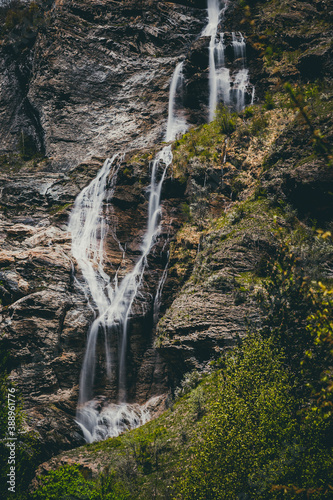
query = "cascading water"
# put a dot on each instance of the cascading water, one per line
(225, 86)
(219, 78)
(114, 302)
(241, 78)
(239, 46)
(88, 229)
(87, 224)
(176, 122)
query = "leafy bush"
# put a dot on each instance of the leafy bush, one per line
(269, 101)
(248, 112)
(297, 314)
(225, 120)
(69, 482)
(253, 441)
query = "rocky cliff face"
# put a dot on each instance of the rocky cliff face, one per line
(90, 80)
(87, 79)
(268, 169)
(96, 78)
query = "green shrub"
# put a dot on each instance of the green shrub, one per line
(186, 211)
(269, 101)
(69, 483)
(248, 112)
(247, 427)
(252, 441)
(258, 125)
(225, 120)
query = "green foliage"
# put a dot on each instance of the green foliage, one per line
(69, 482)
(186, 211)
(320, 144)
(286, 303)
(258, 125)
(246, 428)
(319, 356)
(268, 435)
(189, 382)
(269, 101)
(27, 450)
(298, 317)
(198, 403)
(252, 441)
(248, 112)
(225, 120)
(147, 449)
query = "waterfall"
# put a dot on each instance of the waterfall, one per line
(241, 78)
(176, 123)
(114, 301)
(159, 290)
(120, 309)
(239, 47)
(219, 78)
(223, 85)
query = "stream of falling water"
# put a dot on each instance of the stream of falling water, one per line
(223, 85)
(114, 302)
(176, 122)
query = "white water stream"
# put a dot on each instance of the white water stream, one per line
(224, 86)
(114, 301)
(176, 122)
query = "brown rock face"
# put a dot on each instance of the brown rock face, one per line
(79, 81)
(96, 79)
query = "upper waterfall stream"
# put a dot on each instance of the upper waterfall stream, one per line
(225, 86)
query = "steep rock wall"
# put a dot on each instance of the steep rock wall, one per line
(92, 80)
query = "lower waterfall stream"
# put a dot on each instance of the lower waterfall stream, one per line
(114, 302)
